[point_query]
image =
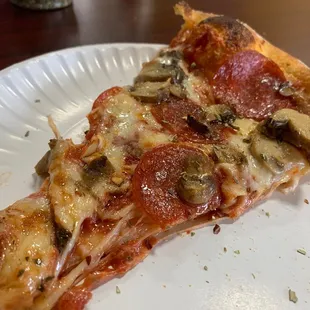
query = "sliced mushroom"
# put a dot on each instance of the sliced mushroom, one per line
(161, 70)
(227, 116)
(171, 58)
(275, 155)
(178, 76)
(228, 154)
(171, 54)
(197, 184)
(219, 113)
(97, 168)
(200, 126)
(177, 90)
(286, 89)
(165, 67)
(151, 92)
(291, 126)
(155, 72)
(42, 166)
(214, 114)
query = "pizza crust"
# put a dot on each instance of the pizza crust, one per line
(294, 69)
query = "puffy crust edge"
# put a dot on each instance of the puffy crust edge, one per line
(294, 69)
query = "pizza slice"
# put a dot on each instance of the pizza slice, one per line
(214, 123)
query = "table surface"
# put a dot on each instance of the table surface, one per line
(25, 33)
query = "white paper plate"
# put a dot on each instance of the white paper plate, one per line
(64, 84)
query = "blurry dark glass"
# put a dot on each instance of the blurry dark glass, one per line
(42, 4)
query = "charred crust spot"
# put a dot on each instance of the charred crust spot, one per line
(237, 35)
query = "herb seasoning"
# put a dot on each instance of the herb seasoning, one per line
(301, 251)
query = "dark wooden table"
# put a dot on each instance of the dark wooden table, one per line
(24, 34)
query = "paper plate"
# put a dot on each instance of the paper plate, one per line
(189, 272)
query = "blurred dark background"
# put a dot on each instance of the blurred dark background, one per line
(25, 33)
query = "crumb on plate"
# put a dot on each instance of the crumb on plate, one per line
(292, 296)
(301, 251)
(118, 291)
(216, 229)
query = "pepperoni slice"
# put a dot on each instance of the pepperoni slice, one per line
(106, 94)
(94, 117)
(172, 115)
(249, 83)
(155, 182)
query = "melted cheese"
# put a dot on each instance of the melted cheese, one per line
(27, 249)
(126, 111)
(259, 177)
(191, 91)
(131, 122)
(246, 126)
(71, 203)
(148, 139)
